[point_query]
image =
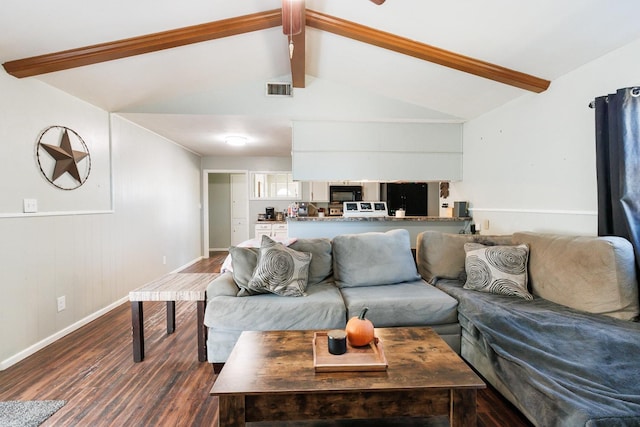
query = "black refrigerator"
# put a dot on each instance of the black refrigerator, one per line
(410, 196)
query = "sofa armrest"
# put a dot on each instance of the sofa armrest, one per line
(223, 285)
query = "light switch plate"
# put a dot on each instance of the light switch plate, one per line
(30, 205)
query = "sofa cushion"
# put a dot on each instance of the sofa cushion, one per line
(280, 270)
(373, 258)
(593, 274)
(564, 366)
(497, 269)
(414, 303)
(441, 255)
(321, 266)
(321, 308)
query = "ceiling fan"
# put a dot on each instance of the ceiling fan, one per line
(293, 17)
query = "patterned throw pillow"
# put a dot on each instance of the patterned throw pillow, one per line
(497, 269)
(280, 270)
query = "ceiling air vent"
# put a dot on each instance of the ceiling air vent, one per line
(279, 89)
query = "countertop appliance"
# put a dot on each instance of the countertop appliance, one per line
(335, 209)
(364, 209)
(345, 193)
(338, 194)
(303, 209)
(270, 213)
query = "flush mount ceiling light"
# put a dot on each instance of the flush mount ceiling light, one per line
(236, 141)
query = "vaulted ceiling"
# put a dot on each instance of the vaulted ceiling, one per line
(196, 71)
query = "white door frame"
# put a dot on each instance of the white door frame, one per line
(205, 203)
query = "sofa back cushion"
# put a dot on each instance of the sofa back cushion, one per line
(373, 258)
(442, 256)
(321, 266)
(592, 274)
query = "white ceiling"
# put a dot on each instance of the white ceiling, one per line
(197, 94)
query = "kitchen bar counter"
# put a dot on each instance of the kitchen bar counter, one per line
(378, 219)
(331, 226)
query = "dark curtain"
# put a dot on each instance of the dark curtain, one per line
(618, 165)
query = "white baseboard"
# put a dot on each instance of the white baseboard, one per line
(179, 269)
(218, 249)
(53, 338)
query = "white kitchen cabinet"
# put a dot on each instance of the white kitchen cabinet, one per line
(277, 230)
(319, 191)
(262, 230)
(370, 191)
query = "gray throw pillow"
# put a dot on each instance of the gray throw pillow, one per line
(280, 270)
(243, 263)
(321, 266)
(374, 258)
(497, 269)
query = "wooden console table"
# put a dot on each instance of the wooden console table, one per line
(170, 288)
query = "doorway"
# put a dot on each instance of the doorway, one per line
(225, 209)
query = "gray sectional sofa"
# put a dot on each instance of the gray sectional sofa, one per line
(563, 346)
(570, 356)
(345, 274)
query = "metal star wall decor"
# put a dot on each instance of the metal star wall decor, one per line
(67, 163)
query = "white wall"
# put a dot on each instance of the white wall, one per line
(376, 151)
(94, 258)
(530, 165)
(27, 108)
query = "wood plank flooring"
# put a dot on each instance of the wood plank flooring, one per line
(93, 370)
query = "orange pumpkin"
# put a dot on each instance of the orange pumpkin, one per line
(360, 330)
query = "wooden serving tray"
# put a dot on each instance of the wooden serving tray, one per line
(356, 359)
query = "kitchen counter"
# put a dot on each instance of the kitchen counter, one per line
(331, 226)
(378, 219)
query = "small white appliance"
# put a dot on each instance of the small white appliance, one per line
(364, 209)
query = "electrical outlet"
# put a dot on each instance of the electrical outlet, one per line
(62, 303)
(164, 260)
(485, 226)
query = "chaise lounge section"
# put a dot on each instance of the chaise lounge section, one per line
(566, 357)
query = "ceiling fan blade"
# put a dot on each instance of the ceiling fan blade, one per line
(378, 2)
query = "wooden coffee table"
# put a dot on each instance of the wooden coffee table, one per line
(270, 376)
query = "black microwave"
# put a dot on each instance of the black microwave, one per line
(345, 193)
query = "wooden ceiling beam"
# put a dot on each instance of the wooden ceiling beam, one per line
(87, 55)
(425, 52)
(299, 56)
(109, 51)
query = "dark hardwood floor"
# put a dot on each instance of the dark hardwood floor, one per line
(93, 370)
